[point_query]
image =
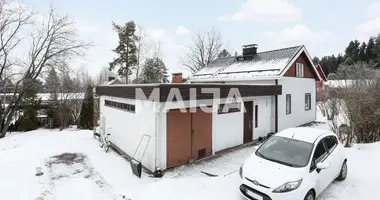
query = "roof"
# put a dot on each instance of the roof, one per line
(321, 72)
(268, 64)
(163, 92)
(305, 134)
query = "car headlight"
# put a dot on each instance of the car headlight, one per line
(289, 186)
(241, 171)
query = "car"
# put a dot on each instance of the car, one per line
(294, 164)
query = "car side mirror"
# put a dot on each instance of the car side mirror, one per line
(322, 166)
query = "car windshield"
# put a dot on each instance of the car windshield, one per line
(286, 151)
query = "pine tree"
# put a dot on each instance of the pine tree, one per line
(126, 49)
(353, 50)
(30, 105)
(154, 71)
(362, 52)
(371, 49)
(52, 85)
(67, 84)
(224, 53)
(316, 61)
(377, 49)
(86, 118)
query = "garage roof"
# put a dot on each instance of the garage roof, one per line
(161, 92)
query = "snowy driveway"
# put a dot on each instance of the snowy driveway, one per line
(105, 176)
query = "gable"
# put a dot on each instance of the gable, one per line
(309, 71)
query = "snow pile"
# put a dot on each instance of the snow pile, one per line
(74, 167)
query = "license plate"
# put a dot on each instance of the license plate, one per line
(254, 195)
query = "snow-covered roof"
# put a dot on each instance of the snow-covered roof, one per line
(66, 96)
(264, 65)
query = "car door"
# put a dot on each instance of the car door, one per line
(321, 176)
(333, 156)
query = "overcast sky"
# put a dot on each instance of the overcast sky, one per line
(324, 26)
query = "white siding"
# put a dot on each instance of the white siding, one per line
(128, 128)
(297, 87)
(227, 130)
(265, 116)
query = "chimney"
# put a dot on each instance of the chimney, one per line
(249, 51)
(177, 78)
(110, 78)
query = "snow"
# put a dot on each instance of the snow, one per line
(275, 64)
(74, 167)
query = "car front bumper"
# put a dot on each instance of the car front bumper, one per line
(253, 192)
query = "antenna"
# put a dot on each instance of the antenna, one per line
(293, 135)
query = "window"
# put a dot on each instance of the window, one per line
(256, 116)
(123, 106)
(229, 108)
(331, 142)
(299, 70)
(307, 101)
(288, 104)
(319, 155)
(287, 151)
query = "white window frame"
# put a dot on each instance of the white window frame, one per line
(300, 70)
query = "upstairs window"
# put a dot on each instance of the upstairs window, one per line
(299, 70)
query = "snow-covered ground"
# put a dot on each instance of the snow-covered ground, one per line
(74, 167)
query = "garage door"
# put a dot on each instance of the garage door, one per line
(189, 136)
(178, 138)
(202, 134)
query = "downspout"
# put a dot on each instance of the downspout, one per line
(276, 110)
(158, 138)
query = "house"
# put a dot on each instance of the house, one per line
(321, 83)
(233, 101)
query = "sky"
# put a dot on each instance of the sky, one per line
(325, 26)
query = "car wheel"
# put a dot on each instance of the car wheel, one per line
(343, 172)
(309, 196)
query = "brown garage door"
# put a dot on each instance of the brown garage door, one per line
(189, 136)
(178, 138)
(202, 134)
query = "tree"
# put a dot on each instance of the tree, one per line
(224, 53)
(154, 71)
(371, 49)
(363, 52)
(353, 50)
(30, 104)
(126, 49)
(204, 49)
(103, 76)
(316, 61)
(86, 119)
(51, 42)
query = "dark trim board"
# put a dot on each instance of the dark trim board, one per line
(276, 111)
(160, 92)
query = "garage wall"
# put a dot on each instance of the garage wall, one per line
(128, 128)
(227, 130)
(297, 87)
(265, 116)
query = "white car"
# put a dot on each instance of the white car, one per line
(294, 164)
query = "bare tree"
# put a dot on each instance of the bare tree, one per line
(204, 49)
(142, 49)
(352, 105)
(52, 42)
